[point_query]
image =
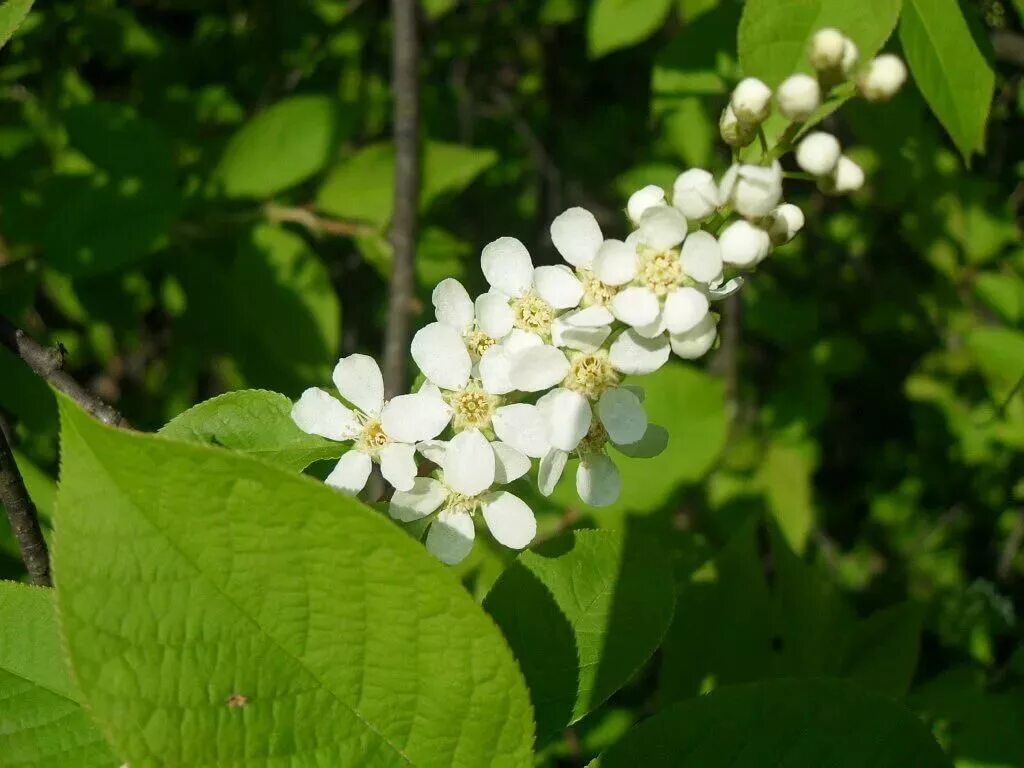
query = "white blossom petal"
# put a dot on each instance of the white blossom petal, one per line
(441, 354)
(701, 257)
(469, 463)
(642, 199)
(433, 450)
(616, 262)
(550, 470)
(317, 413)
(727, 290)
(696, 194)
(568, 336)
(450, 537)
(653, 329)
(632, 354)
(350, 473)
(522, 426)
(622, 415)
(398, 465)
(509, 463)
(509, 519)
(494, 367)
(493, 314)
(663, 227)
(415, 417)
(576, 235)
(597, 480)
(684, 308)
(425, 496)
(507, 266)
(695, 342)
(538, 368)
(567, 415)
(452, 305)
(636, 305)
(591, 317)
(558, 286)
(359, 381)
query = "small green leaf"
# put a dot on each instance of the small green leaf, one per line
(953, 73)
(582, 613)
(219, 611)
(786, 475)
(782, 723)
(1002, 292)
(616, 24)
(12, 13)
(1000, 355)
(43, 725)
(279, 148)
(256, 422)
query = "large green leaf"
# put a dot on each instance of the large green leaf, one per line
(953, 73)
(615, 24)
(217, 611)
(41, 723)
(256, 422)
(775, 35)
(279, 147)
(582, 614)
(783, 724)
(12, 13)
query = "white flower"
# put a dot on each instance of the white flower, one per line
(818, 153)
(827, 47)
(469, 469)
(734, 132)
(798, 96)
(751, 101)
(696, 341)
(847, 177)
(744, 244)
(883, 77)
(381, 432)
(639, 202)
(784, 222)
(850, 56)
(481, 324)
(695, 193)
(753, 190)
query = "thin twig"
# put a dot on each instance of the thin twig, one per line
(48, 364)
(314, 222)
(404, 86)
(23, 516)
(1011, 547)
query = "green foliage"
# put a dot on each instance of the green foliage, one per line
(12, 14)
(296, 624)
(615, 24)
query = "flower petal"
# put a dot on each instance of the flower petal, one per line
(684, 309)
(433, 450)
(452, 305)
(521, 426)
(616, 262)
(622, 415)
(415, 417)
(469, 463)
(494, 367)
(567, 415)
(398, 465)
(509, 519)
(507, 266)
(538, 368)
(450, 537)
(701, 257)
(425, 495)
(550, 470)
(632, 354)
(317, 413)
(643, 199)
(576, 235)
(636, 305)
(493, 315)
(441, 354)
(359, 381)
(568, 336)
(509, 463)
(350, 473)
(696, 341)
(727, 290)
(597, 481)
(655, 328)
(591, 317)
(558, 286)
(663, 227)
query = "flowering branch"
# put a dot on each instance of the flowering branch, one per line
(23, 517)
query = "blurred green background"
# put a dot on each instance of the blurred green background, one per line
(195, 197)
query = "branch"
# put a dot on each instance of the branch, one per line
(407, 183)
(48, 364)
(23, 516)
(1008, 47)
(318, 225)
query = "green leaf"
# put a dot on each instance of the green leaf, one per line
(775, 35)
(582, 613)
(953, 73)
(279, 147)
(786, 475)
(218, 611)
(1003, 293)
(256, 422)
(43, 725)
(616, 24)
(783, 723)
(1000, 355)
(12, 13)
(884, 649)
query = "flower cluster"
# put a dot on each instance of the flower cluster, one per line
(536, 367)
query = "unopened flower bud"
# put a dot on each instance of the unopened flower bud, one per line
(751, 101)
(884, 76)
(744, 244)
(734, 133)
(784, 222)
(643, 199)
(798, 97)
(848, 176)
(827, 49)
(753, 190)
(818, 153)
(850, 56)
(695, 193)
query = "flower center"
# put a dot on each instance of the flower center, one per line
(591, 374)
(372, 439)
(660, 271)
(531, 313)
(473, 408)
(459, 502)
(594, 441)
(478, 342)
(595, 293)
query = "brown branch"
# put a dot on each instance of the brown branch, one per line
(315, 223)
(23, 517)
(1008, 47)
(404, 86)
(48, 364)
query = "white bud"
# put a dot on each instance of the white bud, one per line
(784, 222)
(850, 56)
(753, 190)
(827, 49)
(848, 176)
(743, 244)
(798, 97)
(818, 153)
(751, 100)
(643, 199)
(695, 193)
(734, 133)
(883, 77)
